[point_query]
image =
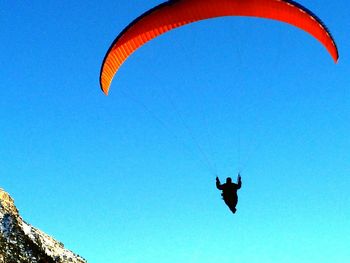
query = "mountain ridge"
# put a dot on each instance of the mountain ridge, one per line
(21, 242)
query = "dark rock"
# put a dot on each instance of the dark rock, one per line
(23, 243)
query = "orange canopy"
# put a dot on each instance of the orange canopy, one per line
(176, 13)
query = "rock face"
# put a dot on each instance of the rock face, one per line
(22, 243)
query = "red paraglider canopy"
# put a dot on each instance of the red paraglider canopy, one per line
(176, 13)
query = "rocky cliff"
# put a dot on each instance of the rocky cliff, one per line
(23, 243)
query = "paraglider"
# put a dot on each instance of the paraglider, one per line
(176, 13)
(229, 191)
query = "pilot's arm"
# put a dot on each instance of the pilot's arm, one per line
(239, 183)
(218, 184)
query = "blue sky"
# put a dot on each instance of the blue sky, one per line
(131, 177)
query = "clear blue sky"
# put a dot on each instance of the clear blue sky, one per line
(126, 178)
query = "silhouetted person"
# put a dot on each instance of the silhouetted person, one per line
(229, 191)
